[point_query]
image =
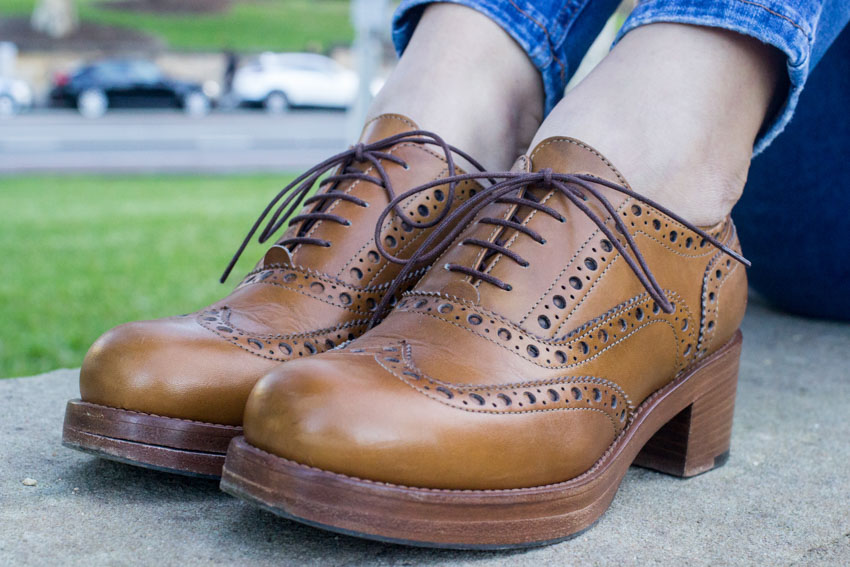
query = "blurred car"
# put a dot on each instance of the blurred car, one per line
(126, 83)
(278, 81)
(15, 96)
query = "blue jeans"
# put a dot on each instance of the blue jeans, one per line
(794, 217)
(556, 33)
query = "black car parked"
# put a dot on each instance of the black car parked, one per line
(126, 83)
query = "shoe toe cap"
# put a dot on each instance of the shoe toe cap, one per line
(347, 414)
(171, 367)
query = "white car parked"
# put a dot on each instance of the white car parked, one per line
(15, 96)
(281, 80)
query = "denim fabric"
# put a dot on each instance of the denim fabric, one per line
(556, 34)
(801, 29)
(793, 217)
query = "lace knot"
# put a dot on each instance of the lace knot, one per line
(547, 177)
(358, 151)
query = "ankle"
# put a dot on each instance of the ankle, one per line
(464, 78)
(696, 178)
(680, 128)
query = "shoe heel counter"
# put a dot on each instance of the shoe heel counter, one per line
(724, 295)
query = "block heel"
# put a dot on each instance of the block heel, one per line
(697, 439)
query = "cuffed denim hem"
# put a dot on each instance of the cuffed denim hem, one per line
(771, 22)
(528, 27)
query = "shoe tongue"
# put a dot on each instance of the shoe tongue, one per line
(568, 155)
(378, 128)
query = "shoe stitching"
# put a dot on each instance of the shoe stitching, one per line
(560, 275)
(350, 326)
(422, 233)
(326, 278)
(407, 354)
(585, 331)
(611, 167)
(681, 377)
(375, 292)
(706, 336)
(516, 234)
(234, 427)
(496, 411)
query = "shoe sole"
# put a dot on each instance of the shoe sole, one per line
(156, 442)
(683, 429)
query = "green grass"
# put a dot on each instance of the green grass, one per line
(248, 25)
(82, 254)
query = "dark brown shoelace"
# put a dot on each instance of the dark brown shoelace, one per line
(294, 195)
(514, 189)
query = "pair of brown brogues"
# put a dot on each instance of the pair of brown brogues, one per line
(540, 331)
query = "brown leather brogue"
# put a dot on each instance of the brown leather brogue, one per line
(170, 393)
(572, 329)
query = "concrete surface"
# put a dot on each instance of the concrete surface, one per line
(782, 499)
(158, 141)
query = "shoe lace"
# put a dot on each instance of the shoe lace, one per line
(514, 189)
(292, 197)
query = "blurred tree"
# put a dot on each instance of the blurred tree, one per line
(56, 18)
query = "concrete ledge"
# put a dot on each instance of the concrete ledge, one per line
(782, 499)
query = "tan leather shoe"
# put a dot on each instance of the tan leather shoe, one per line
(502, 401)
(170, 393)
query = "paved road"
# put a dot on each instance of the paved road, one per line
(168, 141)
(782, 499)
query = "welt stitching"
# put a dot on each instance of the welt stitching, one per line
(221, 425)
(498, 491)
